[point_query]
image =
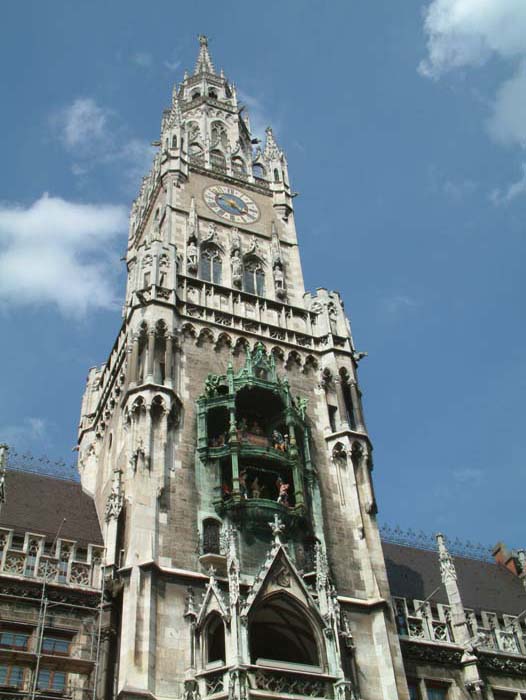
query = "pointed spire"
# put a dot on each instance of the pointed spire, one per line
(204, 62)
(175, 117)
(447, 566)
(271, 151)
(3, 464)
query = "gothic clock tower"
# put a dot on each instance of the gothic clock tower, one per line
(224, 442)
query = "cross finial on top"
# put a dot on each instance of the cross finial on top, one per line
(277, 528)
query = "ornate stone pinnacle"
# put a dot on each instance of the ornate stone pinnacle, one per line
(277, 528)
(447, 566)
(204, 62)
(212, 571)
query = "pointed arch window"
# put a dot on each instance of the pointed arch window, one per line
(212, 93)
(258, 171)
(254, 277)
(211, 265)
(280, 630)
(219, 135)
(215, 640)
(276, 175)
(174, 141)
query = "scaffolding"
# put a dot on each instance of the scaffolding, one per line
(83, 660)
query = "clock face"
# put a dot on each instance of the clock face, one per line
(231, 204)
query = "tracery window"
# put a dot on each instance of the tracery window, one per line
(276, 175)
(218, 160)
(219, 135)
(211, 265)
(254, 278)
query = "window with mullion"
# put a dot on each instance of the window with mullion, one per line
(12, 676)
(55, 645)
(51, 680)
(13, 640)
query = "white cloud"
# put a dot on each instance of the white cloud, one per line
(507, 124)
(143, 59)
(95, 136)
(83, 123)
(512, 191)
(55, 252)
(463, 33)
(29, 430)
(172, 65)
(467, 475)
(466, 34)
(397, 305)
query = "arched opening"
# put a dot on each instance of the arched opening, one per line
(215, 640)
(217, 425)
(211, 536)
(212, 93)
(196, 94)
(258, 171)
(276, 175)
(280, 630)
(174, 141)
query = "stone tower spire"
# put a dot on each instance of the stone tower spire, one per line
(230, 400)
(204, 62)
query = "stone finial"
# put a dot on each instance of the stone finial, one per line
(4, 449)
(271, 150)
(277, 528)
(204, 62)
(447, 566)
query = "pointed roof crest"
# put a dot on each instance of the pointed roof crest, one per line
(271, 151)
(204, 62)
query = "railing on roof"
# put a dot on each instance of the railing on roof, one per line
(27, 462)
(423, 540)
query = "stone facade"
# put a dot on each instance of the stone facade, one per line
(224, 447)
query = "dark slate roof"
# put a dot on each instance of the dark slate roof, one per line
(38, 503)
(415, 573)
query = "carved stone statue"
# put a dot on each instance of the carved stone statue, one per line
(237, 269)
(191, 256)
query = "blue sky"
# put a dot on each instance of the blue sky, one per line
(405, 129)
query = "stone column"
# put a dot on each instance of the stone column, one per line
(151, 352)
(357, 406)
(342, 407)
(134, 361)
(168, 361)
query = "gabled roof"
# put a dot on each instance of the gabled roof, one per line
(415, 573)
(39, 503)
